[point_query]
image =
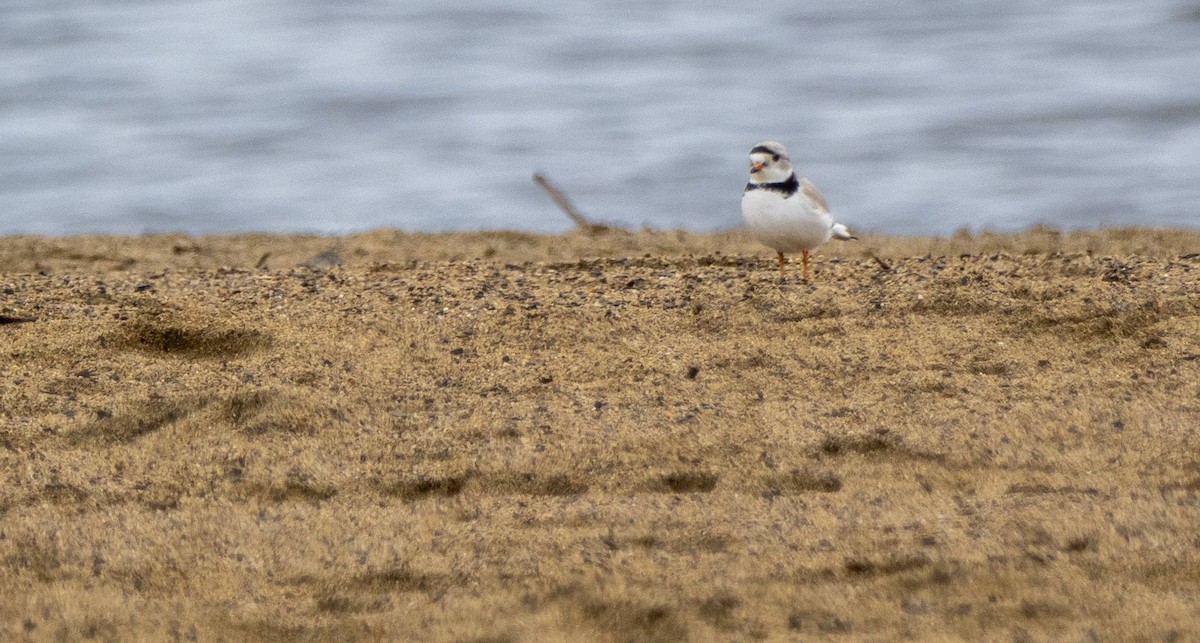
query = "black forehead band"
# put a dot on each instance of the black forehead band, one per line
(763, 149)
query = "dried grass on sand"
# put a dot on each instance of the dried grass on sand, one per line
(623, 436)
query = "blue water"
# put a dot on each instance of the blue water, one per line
(916, 116)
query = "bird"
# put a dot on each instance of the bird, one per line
(783, 211)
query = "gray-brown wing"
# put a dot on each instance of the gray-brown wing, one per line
(813, 194)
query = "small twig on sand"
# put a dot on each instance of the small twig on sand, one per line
(883, 265)
(560, 199)
(5, 319)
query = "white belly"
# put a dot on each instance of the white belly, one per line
(787, 225)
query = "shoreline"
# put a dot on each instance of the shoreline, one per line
(104, 253)
(622, 436)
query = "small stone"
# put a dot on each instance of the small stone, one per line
(324, 260)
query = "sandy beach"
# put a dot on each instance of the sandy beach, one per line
(621, 436)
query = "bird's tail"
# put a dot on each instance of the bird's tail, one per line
(841, 232)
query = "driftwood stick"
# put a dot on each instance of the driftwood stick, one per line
(560, 199)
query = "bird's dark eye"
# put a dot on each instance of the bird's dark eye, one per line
(775, 156)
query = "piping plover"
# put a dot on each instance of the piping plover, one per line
(784, 212)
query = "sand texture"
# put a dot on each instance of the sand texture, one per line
(624, 436)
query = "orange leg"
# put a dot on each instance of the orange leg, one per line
(780, 266)
(805, 255)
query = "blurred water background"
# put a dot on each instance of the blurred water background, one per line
(914, 116)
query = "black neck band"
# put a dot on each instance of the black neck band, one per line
(786, 187)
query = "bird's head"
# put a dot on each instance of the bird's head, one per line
(769, 163)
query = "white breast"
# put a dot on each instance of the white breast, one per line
(785, 224)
